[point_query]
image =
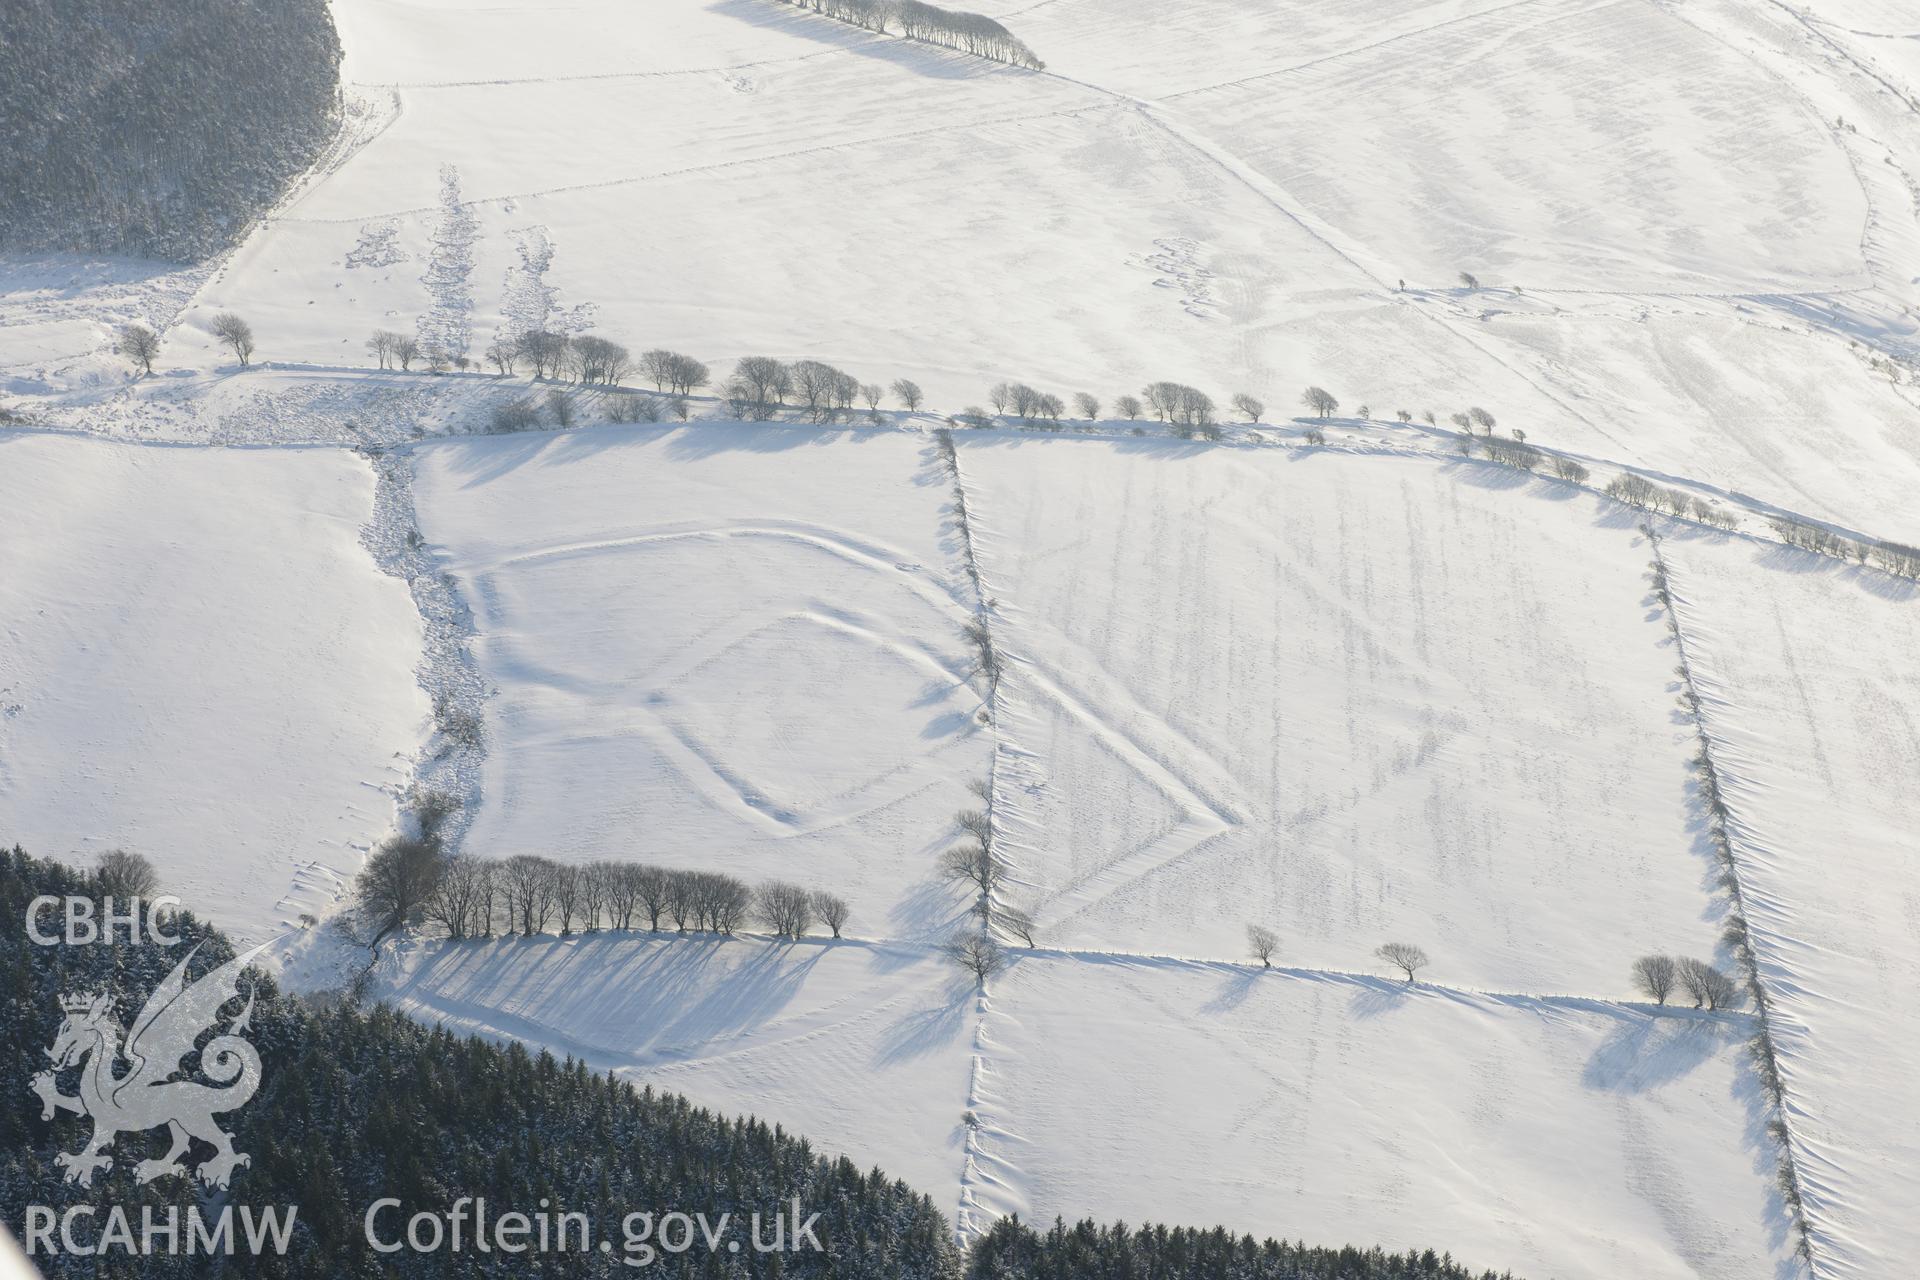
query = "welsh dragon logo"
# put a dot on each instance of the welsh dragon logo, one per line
(145, 1095)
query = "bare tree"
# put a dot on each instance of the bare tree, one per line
(1481, 419)
(406, 349)
(124, 874)
(503, 355)
(236, 333)
(380, 347)
(518, 414)
(907, 392)
(1086, 406)
(822, 389)
(784, 908)
(832, 910)
(1403, 956)
(599, 886)
(569, 895)
(454, 902)
(1321, 401)
(999, 395)
(597, 360)
(545, 352)
(671, 371)
(1470, 280)
(974, 863)
(976, 823)
(1634, 490)
(1654, 976)
(528, 883)
(560, 405)
(1187, 407)
(725, 901)
(1244, 403)
(765, 382)
(1707, 985)
(1128, 407)
(140, 345)
(976, 953)
(986, 657)
(1263, 942)
(653, 888)
(1019, 923)
(394, 886)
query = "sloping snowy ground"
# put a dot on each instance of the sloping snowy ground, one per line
(1556, 1139)
(860, 1047)
(1707, 206)
(1354, 699)
(726, 647)
(1813, 702)
(201, 664)
(1458, 727)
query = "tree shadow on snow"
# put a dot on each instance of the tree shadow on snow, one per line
(908, 55)
(1233, 992)
(1646, 1050)
(920, 1032)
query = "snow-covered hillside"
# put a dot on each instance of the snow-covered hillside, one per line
(1693, 226)
(1354, 687)
(1814, 705)
(728, 648)
(1351, 698)
(203, 664)
(1458, 727)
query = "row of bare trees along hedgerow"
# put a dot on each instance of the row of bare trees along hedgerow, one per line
(972, 33)
(411, 881)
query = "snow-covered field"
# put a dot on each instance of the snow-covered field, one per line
(736, 647)
(1351, 698)
(861, 1047)
(202, 664)
(1694, 226)
(1814, 706)
(1558, 1139)
(1354, 694)
(724, 647)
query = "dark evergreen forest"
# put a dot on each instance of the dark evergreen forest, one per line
(157, 129)
(360, 1104)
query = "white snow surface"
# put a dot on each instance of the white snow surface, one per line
(1813, 702)
(1694, 226)
(1556, 1139)
(1351, 698)
(1351, 693)
(860, 1047)
(201, 664)
(1460, 728)
(724, 647)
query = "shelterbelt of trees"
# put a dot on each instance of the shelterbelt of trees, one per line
(356, 1105)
